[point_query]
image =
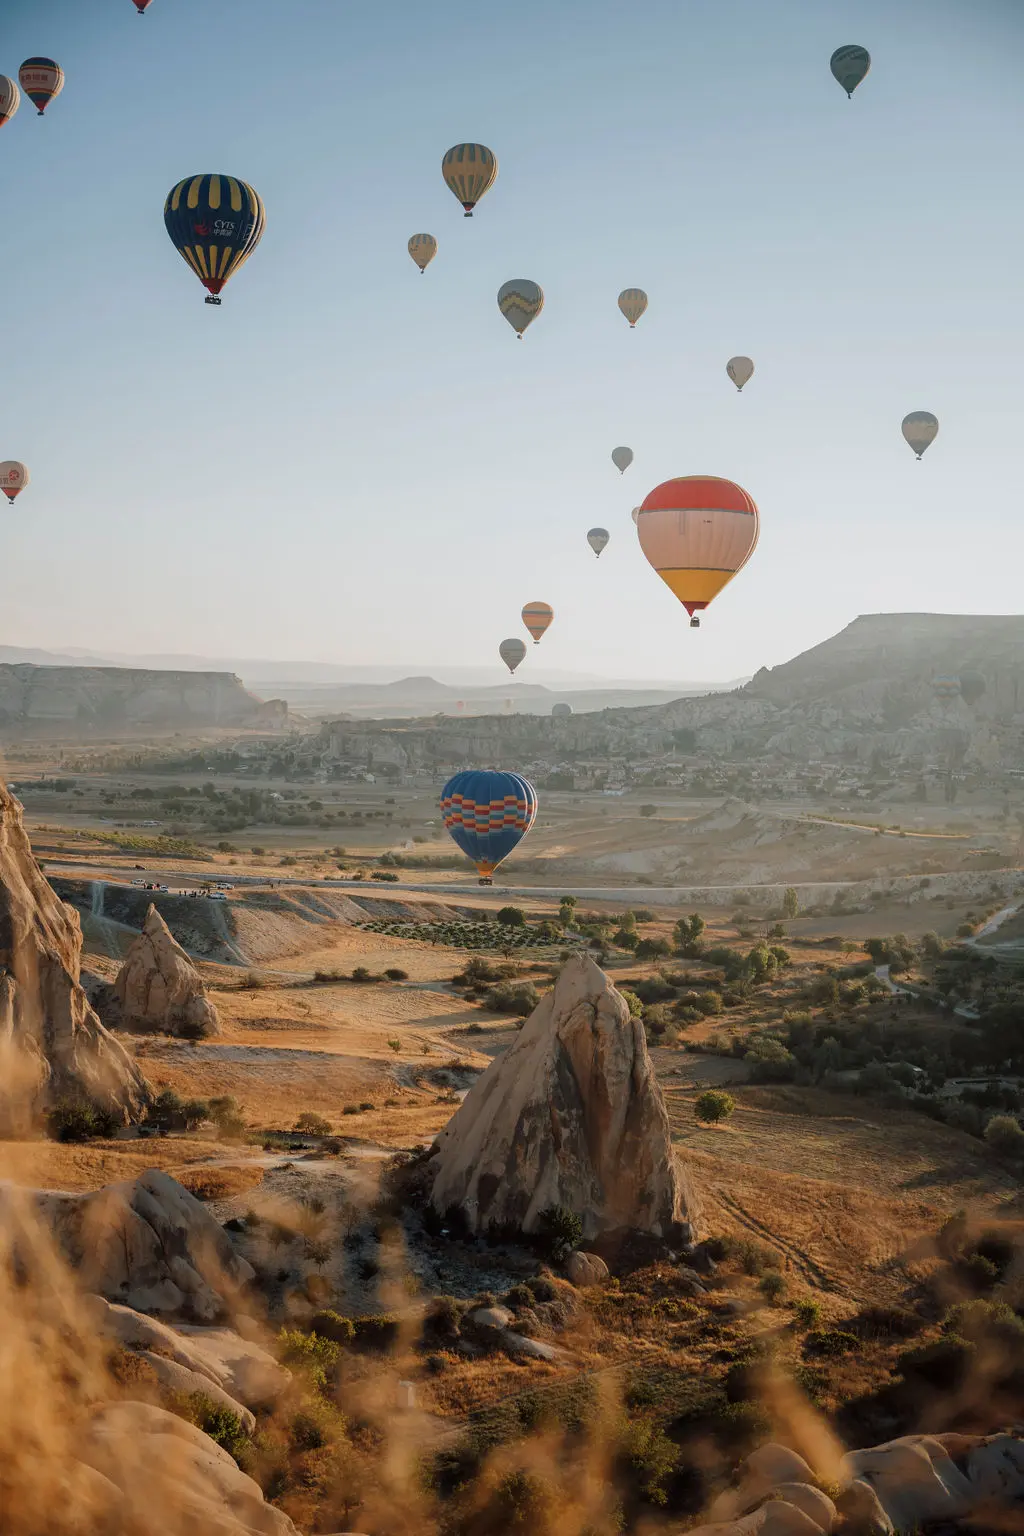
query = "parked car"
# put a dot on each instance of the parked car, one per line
(216, 895)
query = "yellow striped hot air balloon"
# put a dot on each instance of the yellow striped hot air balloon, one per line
(537, 618)
(469, 170)
(697, 532)
(215, 223)
(632, 302)
(422, 249)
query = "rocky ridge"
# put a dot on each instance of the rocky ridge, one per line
(159, 988)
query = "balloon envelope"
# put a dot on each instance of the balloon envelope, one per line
(560, 710)
(423, 249)
(487, 814)
(598, 538)
(972, 687)
(13, 479)
(215, 223)
(850, 64)
(469, 170)
(512, 652)
(537, 618)
(635, 514)
(740, 370)
(920, 429)
(141, 6)
(697, 532)
(10, 99)
(946, 687)
(632, 302)
(622, 458)
(42, 80)
(520, 301)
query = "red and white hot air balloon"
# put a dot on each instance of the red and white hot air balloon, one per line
(13, 479)
(697, 532)
(10, 99)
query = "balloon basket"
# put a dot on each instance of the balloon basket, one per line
(695, 623)
(212, 299)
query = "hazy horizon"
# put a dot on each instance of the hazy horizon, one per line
(363, 464)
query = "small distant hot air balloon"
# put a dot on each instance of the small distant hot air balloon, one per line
(142, 6)
(537, 618)
(487, 814)
(632, 302)
(920, 429)
(598, 538)
(622, 458)
(512, 652)
(10, 99)
(635, 514)
(740, 370)
(423, 249)
(469, 170)
(946, 687)
(42, 80)
(972, 687)
(560, 710)
(520, 301)
(850, 64)
(13, 479)
(215, 223)
(697, 532)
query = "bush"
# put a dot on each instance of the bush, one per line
(520, 998)
(773, 1285)
(395, 973)
(378, 1330)
(653, 949)
(633, 1003)
(1004, 1135)
(625, 938)
(223, 1427)
(560, 1229)
(331, 1325)
(511, 917)
(807, 1313)
(78, 1120)
(830, 1343)
(311, 1124)
(394, 1044)
(713, 1106)
(310, 1354)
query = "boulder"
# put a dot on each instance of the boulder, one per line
(572, 1116)
(774, 1518)
(529, 1349)
(586, 1269)
(150, 1245)
(995, 1468)
(914, 1479)
(54, 1046)
(491, 1317)
(159, 988)
(186, 1383)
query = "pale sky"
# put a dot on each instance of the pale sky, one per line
(349, 462)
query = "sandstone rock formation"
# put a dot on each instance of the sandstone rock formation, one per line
(570, 1116)
(158, 987)
(148, 1244)
(52, 1044)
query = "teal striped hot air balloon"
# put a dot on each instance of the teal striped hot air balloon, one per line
(469, 170)
(849, 64)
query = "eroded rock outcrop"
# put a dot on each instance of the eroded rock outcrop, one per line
(52, 1044)
(158, 987)
(570, 1116)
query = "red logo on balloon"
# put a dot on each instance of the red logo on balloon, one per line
(202, 230)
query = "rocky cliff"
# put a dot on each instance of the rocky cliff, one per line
(86, 700)
(52, 1045)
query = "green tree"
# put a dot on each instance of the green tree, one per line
(713, 1106)
(512, 917)
(648, 810)
(790, 903)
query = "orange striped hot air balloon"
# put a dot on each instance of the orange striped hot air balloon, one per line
(537, 618)
(697, 532)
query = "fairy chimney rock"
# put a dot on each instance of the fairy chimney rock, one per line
(571, 1115)
(52, 1044)
(158, 987)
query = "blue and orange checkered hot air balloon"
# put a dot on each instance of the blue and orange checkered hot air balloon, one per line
(487, 814)
(215, 223)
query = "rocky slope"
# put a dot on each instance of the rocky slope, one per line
(36, 701)
(571, 1116)
(52, 1043)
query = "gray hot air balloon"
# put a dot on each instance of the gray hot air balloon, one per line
(740, 370)
(920, 428)
(512, 653)
(520, 301)
(635, 514)
(622, 458)
(597, 538)
(850, 64)
(560, 710)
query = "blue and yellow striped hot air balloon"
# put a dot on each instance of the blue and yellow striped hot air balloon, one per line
(215, 222)
(487, 814)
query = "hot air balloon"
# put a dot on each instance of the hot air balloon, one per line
(215, 223)
(598, 538)
(740, 370)
(632, 302)
(512, 652)
(920, 428)
(622, 458)
(560, 710)
(635, 515)
(537, 618)
(487, 814)
(141, 6)
(13, 479)
(850, 64)
(520, 301)
(10, 99)
(469, 170)
(423, 249)
(697, 532)
(972, 687)
(41, 80)
(946, 687)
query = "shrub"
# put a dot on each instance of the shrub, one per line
(511, 917)
(311, 1124)
(310, 1354)
(223, 1427)
(361, 975)
(331, 1325)
(395, 973)
(830, 1343)
(713, 1106)
(394, 1044)
(633, 1003)
(520, 998)
(807, 1312)
(78, 1120)
(1004, 1135)
(377, 1330)
(559, 1229)
(773, 1285)
(625, 938)
(653, 949)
